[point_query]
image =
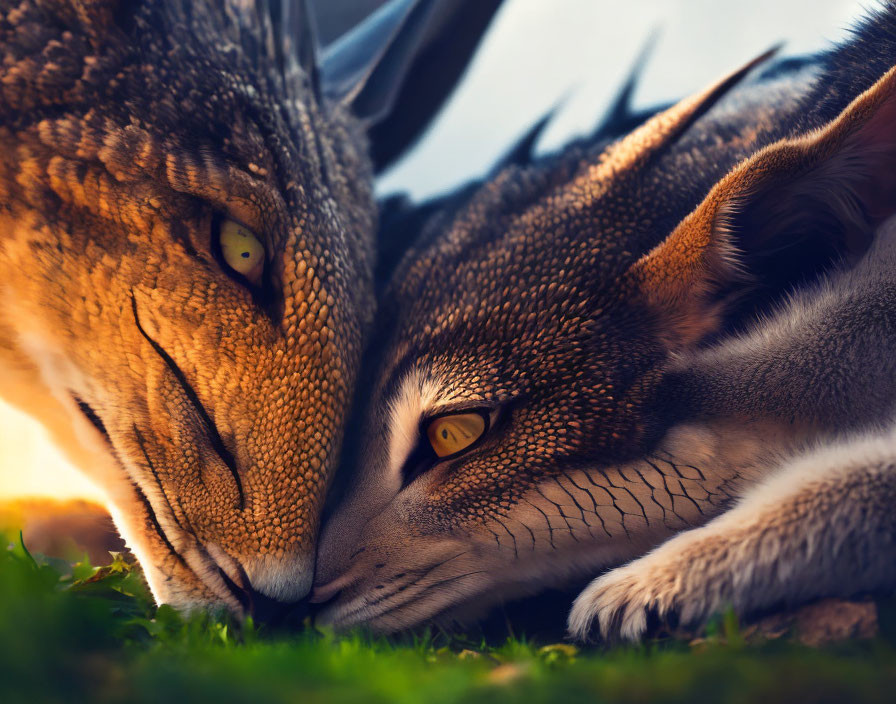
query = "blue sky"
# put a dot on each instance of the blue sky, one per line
(539, 51)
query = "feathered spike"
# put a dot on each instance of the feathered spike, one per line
(522, 150)
(279, 34)
(620, 117)
(453, 33)
(298, 41)
(649, 141)
(396, 69)
(363, 68)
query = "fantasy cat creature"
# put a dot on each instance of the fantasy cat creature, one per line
(671, 352)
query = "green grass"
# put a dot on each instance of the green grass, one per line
(71, 632)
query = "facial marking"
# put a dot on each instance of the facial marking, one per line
(418, 393)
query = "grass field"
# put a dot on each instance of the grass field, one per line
(71, 632)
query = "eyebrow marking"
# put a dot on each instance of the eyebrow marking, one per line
(417, 393)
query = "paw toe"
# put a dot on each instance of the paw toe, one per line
(611, 608)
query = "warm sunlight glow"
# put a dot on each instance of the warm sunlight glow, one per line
(31, 466)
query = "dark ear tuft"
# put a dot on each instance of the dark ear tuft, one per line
(642, 147)
(522, 150)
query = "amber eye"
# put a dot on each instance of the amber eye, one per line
(451, 434)
(241, 250)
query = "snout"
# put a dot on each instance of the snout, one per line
(284, 579)
(271, 612)
(390, 587)
(272, 591)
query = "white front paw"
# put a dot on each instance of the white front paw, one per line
(616, 605)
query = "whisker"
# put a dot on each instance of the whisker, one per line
(420, 594)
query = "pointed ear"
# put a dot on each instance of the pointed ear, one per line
(363, 67)
(779, 217)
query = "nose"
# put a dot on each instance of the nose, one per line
(264, 609)
(273, 612)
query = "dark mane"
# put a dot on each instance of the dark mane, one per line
(851, 67)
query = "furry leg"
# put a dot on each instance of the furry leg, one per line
(823, 525)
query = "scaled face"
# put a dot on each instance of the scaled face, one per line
(186, 265)
(511, 436)
(503, 416)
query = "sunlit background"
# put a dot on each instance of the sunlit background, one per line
(537, 53)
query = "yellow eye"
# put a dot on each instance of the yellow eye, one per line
(242, 250)
(451, 434)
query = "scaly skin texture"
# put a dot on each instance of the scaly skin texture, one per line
(523, 302)
(557, 302)
(211, 412)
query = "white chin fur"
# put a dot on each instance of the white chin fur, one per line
(286, 579)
